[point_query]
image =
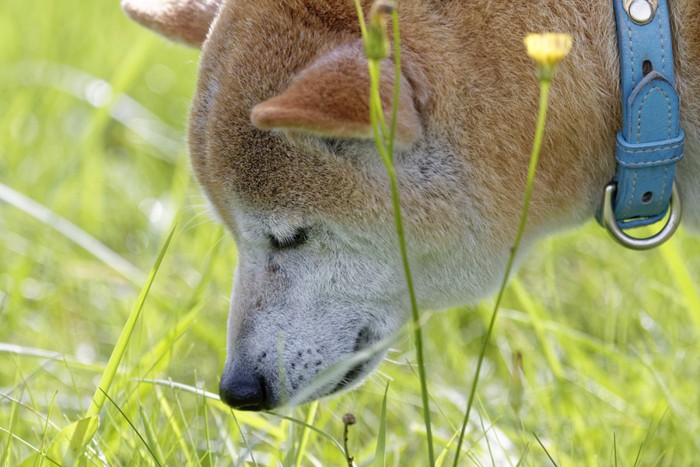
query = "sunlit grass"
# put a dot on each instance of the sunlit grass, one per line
(608, 337)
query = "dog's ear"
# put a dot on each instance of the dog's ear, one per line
(185, 21)
(330, 98)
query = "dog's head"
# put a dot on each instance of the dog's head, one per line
(281, 142)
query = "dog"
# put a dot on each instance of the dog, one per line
(281, 142)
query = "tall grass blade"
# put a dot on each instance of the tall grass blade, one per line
(446, 450)
(544, 449)
(72, 232)
(310, 416)
(380, 452)
(172, 421)
(652, 429)
(120, 347)
(46, 425)
(296, 421)
(486, 439)
(243, 437)
(151, 437)
(71, 442)
(35, 458)
(126, 110)
(523, 458)
(183, 416)
(158, 461)
(8, 446)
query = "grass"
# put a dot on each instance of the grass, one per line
(608, 338)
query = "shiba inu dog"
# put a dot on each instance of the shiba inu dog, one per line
(281, 143)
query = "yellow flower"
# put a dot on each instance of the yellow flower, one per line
(547, 50)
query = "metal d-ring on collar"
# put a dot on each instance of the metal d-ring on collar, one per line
(650, 142)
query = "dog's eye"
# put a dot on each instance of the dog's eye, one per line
(297, 238)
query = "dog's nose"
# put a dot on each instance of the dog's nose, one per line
(243, 390)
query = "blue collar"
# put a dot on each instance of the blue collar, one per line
(650, 142)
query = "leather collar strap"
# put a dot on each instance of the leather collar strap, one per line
(650, 142)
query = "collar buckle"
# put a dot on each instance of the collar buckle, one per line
(650, 141)
(633, 243)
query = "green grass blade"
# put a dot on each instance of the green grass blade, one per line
(46, 425)
(151, 437)
(71, 442)
(544, 449)
(159, 462)
(287, 452)
(71, 232)
(8, 445)
(306, 433)
(34, 458)
(380, 452)
(32, 352)
(486, 439)
(446, 450)
(523, 458)
(120, 347)
(244, 438)
(649, 435)
(174, 426)
(296, 421)
(183, 416)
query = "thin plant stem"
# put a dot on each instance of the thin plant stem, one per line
(348, 419)
(397, 80)
(384, 139)
(534, 157)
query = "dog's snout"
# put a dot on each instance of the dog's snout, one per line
(244, 390)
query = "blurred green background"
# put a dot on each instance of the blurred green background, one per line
(596, 352)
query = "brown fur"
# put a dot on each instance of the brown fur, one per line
(480, 98)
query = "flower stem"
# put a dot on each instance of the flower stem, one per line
(384, 138)
(387, 157)
(534, 157)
